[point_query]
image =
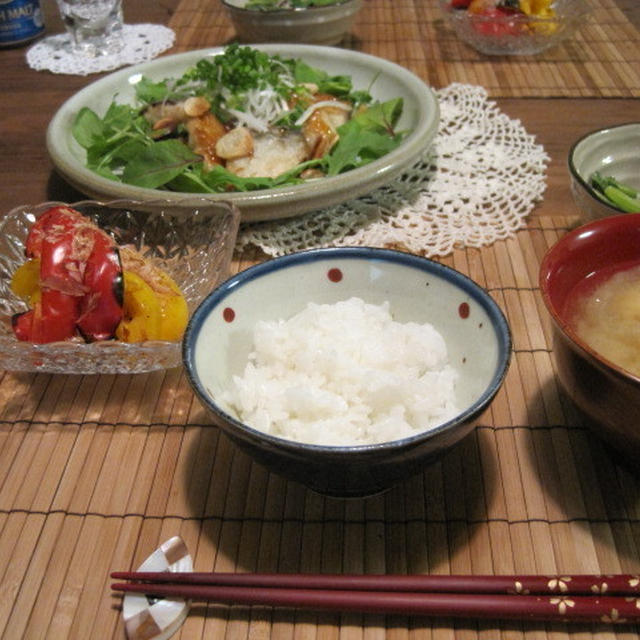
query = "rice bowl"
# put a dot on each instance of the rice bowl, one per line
(219, 341)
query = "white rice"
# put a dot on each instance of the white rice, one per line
(345, 374)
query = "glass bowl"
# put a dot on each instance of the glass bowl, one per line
(195, 251)
(515, 34)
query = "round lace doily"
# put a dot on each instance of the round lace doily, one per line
(141, 42)
(481, 178)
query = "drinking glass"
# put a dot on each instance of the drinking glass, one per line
(94, 26)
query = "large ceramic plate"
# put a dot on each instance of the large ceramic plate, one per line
(386, 79)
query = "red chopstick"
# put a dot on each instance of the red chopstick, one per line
(449, 601)
(583, 584)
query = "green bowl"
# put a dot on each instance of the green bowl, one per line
(321, 25)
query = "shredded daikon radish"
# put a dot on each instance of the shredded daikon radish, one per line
(262, 108)
(308, 112)
(249, 120)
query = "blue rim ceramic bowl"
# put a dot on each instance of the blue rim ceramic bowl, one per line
(613, 151)
(218, 341)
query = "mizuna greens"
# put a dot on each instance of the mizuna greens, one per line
(244, 86)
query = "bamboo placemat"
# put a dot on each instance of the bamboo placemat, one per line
(601, 60)
(97, 471)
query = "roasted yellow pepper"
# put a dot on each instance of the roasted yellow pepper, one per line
(539, 9)
(25, 282)
(174, 313)
(152, 314)
(141, 311)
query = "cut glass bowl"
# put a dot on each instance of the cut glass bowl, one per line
(195, 251)
(513, 34)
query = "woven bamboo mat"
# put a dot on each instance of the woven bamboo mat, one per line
(601, 60)
(96, 471)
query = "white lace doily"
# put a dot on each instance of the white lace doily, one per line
(142, 42)
(478, 182)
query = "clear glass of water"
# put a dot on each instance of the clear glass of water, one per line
(94, 26)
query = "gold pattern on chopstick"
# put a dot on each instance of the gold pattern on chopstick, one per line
(634, 582)
(562, 604)
(613, 617)
(599, 588)
(559, 583)
(519, 588)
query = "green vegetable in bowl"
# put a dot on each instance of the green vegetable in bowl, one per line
(239, 121)
(615, 193)
(274, 5)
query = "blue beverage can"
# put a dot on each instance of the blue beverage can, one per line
(20, 21)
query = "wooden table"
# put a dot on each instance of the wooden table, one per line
(97, 471)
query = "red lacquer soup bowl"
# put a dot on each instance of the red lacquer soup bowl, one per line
(603, 390)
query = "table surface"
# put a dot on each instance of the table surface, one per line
(97, 471)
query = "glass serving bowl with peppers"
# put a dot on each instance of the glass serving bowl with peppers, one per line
(80, 285)
(514, 27)
(105, 288)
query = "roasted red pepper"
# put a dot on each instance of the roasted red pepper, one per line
(494, 22)
(101, 307)
(80, 278)
(53, 318)
(53, 239)
(63, 217)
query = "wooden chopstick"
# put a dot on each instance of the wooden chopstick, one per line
(556, 605)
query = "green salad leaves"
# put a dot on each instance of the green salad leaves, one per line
(274, 5)
(242, 85)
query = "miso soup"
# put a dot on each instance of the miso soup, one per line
(605, 313)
